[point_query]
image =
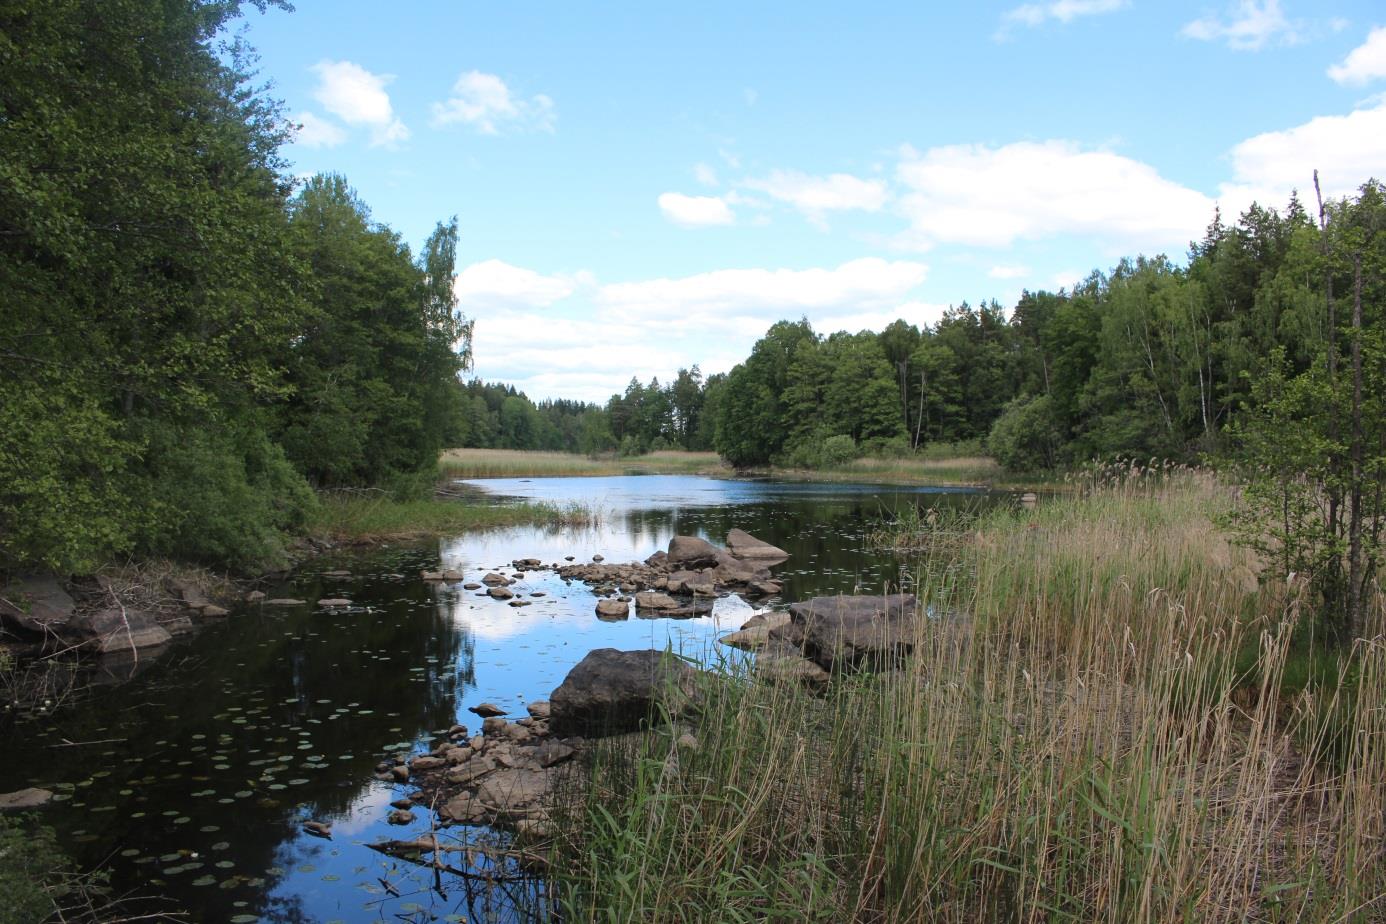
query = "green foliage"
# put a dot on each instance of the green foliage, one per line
(31, 869)
(1026, 437)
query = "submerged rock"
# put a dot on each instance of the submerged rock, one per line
(24, 799)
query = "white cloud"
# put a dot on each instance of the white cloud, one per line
(1008, 272)
(695, 211)
(705, 174)
(1347, 150)
(1250, 26)
(494, 284)
(750, 95)
(817, 195)
(358, 97)
(316, 132)
(1036, 14)
(991, 197)
(1364, 63)
(486, 103)
(869, 283)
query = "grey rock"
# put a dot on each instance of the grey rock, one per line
(255, 596)
(852, 632)
(401, 817)
(486, 710)
(654, 600)
(691, 552)
(613, 609)
(539, 709)
(36, 606)
(113, 631)
(284, 601)
(611, 691)
(492, 579)
(334, 602)
(212, 611)
(745, 546)
(470, 771)
(425, 764)
(24, 799)
(500, 593)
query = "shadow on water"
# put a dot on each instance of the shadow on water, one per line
(192, 779)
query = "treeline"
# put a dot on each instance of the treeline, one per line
(1151, 360)
(189, 344)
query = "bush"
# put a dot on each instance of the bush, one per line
(28, 860)
(892, 447)
(1026, 435)
(838, 450)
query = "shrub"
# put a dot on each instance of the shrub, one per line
(838, 450)
(1026, 435)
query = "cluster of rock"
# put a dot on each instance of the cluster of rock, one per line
(42, 614)
(507, 774)
(683, 580)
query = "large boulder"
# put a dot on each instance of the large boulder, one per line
(113, 631)
(611, 691)
(853, 632)
(37, 606)
(747, 547)
(690, 552)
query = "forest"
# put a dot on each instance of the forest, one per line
(195, 342)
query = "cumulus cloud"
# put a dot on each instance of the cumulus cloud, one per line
(357, 97)
(1030, 15)
(484, 102)
(316, 132)
(1345, 149)
(1250, 26)
(705, 174)
(1008, 272)
(695, 211)
(815, 196)
(992, 197)
(495, 284)
(865, 284)
(1365, 63)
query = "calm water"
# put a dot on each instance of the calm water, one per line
(191, 779)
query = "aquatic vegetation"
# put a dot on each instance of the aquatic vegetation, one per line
(1103, 737)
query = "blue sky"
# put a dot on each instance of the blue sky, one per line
(642, 187)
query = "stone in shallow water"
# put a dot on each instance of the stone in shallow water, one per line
(24, 799)
(611, 691)
(613, 609)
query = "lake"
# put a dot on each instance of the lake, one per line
(191, 779)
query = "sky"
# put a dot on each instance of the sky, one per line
(642, 187)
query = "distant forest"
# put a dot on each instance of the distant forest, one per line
(1151, 360)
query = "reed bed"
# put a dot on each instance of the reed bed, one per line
(1091, 730)
(514, 463)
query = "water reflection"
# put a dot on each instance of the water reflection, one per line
(192, 779)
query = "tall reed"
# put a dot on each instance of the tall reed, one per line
(1092, 730)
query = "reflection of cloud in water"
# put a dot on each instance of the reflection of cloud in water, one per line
(364, 812)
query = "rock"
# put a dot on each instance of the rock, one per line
(334, 602)
(612, 691)
(401, 817)
(470, 771)
(779, 664)
(538, 593)
(462, 808)
(771, 619)
(24, 799)
(486, 710)
(212, 611)
(686, 742)
(425, 764)
(402, 804)
(751, 639)
(337, 574)
(514, 792)
(599, 558)
(553, 752)
(493, 726)
(492, 579)
(255, 596)
(539, 709)
(451, 575)
(400, 773)
(874, 632)
(701, 588)
(431, 575)
(659, 560)
(318, 829)
(284, 601)
(517, 732)
(500, 593)
(455, 756)
(527, 563)
(612, 609)
(745, 546)
(113, 631)
(519, 603)
(654, 600)
(691, 552)
(765, 588)
(534, 828)
(688, 611)
(471, 585)
(569, 557)
(36, 606)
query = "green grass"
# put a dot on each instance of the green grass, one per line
(370, 518)
(1080, 743)
(514, 463)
